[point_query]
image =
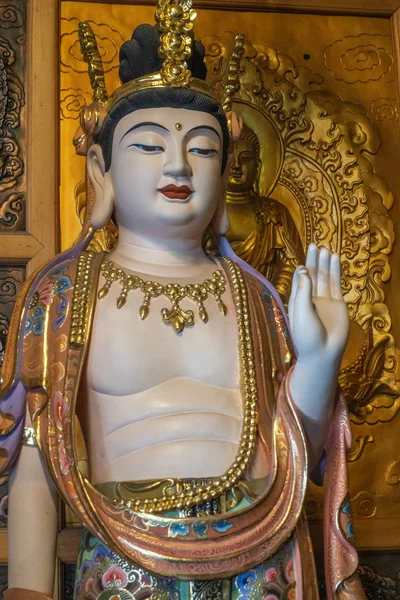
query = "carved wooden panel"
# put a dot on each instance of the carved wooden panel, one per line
(12, 115)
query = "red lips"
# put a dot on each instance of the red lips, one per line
(174, 192)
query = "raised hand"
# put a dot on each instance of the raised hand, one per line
(317, 312)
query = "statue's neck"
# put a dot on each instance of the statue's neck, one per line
(160, 258)
(244, 197)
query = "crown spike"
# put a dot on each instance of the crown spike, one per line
(232, 82)
(91, 55)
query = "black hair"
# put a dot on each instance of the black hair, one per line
(138, 57)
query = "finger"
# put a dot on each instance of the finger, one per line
(293, 291)
(303, 302)
(312, 264)
(323, 279)
(336, 287)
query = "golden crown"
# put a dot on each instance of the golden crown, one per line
(175, 20)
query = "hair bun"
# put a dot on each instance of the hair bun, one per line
(139, 55)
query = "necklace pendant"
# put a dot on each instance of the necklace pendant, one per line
(144, 311)
(222, 308)
(121, 301)
(203, 314)
(103, 292)
(178, 318)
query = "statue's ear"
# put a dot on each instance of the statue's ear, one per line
(220, 221)
(103, 191)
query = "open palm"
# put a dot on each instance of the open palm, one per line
(317, 312)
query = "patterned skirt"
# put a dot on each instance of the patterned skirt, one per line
(103, 575)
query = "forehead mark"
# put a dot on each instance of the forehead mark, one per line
(143, 124)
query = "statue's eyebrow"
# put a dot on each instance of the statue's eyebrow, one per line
(144, 124)
(206, 127)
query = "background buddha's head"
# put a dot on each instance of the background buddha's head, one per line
(157, 161)
(246, 162)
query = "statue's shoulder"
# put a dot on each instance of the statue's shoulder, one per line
(24, 357)
(39, 292)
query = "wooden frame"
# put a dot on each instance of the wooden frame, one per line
(376, 8)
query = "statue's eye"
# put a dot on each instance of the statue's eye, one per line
(203, 151)
(146, 148)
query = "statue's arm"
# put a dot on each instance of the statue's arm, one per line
(32, 525)
(320, 324)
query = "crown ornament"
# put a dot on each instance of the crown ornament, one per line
(175, 22)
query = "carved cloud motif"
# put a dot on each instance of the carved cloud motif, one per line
(11, 101)
(361, 58)
(72, 101)
(11, 17)
(4, 326)
(385, 109)
(109, 41)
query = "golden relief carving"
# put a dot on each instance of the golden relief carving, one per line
(364, 504)
(361, 58)
(358, 447)
(392, 475)
(303, 178)
(385, 109)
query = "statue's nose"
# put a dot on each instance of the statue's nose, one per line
(235, 165)
(178, 166)
(236, 170)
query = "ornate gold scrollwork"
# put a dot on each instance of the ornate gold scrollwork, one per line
(313, 164)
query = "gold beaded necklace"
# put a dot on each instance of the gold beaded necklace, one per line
(179, 318)
(196, 492)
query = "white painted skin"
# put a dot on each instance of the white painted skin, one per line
(144, 382)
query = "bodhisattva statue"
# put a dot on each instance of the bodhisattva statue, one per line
(262, 232)
(163, 402)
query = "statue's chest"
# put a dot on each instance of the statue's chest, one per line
(128, 355)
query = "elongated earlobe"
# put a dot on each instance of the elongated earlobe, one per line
(103, 192)
(220, 221)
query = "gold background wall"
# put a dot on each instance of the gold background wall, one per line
(347, 62)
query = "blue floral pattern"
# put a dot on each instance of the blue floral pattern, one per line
(101, 575)
(35, 322)
(51, 286)
(199, 528)
(62, 284)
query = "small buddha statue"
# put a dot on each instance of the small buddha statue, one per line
(262, 231)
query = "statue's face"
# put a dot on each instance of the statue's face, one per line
(166, 171)
(243, 171)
